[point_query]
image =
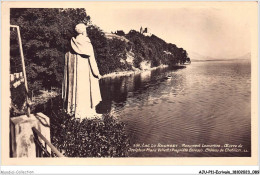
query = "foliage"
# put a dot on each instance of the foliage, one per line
(18, 100)
(155, 50)
(15, 60)
(100, 45)
(46, 34)
(89, 138)
(108, 52)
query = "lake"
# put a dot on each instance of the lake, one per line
(192, 111)
(205, 103)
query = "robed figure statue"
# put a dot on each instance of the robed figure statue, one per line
(80, 88)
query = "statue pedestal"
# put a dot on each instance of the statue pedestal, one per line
(22, 138)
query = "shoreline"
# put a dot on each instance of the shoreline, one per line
(46, 95)
(128, 73)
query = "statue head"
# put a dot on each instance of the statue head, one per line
(80, 28)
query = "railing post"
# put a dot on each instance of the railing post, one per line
(24, 71)
(44, 151)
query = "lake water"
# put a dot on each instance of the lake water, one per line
(204, 103)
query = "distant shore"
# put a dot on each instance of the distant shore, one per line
(194, 60)
(127, 73)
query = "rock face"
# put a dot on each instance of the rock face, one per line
(145, 65)
(21, 136)
(114, 36)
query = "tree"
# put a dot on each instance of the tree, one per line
(46, 34)
(120, 33)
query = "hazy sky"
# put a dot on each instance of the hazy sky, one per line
(219, 31)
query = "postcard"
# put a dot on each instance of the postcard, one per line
(129, 83)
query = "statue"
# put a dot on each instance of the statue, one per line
(80, 87)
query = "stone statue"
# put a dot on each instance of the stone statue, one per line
(80, 88)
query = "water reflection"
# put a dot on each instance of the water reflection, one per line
(208, 102)
(117, 92)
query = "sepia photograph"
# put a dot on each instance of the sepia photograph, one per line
(130, 80)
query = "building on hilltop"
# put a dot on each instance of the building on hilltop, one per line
(145, 31)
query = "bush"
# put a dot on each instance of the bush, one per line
(18, 100)
(90, 138)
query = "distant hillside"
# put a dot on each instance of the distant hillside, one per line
(199, 57)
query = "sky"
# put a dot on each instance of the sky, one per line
(216, 30)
